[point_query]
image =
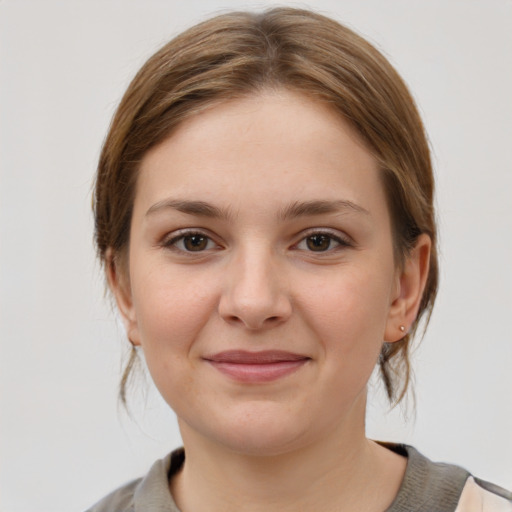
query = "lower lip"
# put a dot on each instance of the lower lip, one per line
(265, 372)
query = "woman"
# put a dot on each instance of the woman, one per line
(264, 212)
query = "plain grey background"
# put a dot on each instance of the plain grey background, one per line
(63, 68)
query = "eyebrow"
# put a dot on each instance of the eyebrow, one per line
(294, 210)
(310, 208)
(198, 208)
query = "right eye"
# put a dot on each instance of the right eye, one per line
(191, 242)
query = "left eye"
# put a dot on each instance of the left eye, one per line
(193, 242)
(320, 242)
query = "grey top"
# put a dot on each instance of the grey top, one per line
(427, 486)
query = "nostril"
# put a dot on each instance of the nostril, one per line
(252, 323)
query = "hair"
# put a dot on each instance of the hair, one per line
(240, 53)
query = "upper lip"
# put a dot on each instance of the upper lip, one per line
(248, 357)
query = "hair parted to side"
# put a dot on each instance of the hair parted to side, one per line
(241, 53)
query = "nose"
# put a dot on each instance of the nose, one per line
(255, 295)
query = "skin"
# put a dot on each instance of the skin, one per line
(258, 282)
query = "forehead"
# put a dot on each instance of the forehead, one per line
(261, 150)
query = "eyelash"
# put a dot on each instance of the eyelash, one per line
(182, 236)
(171, 243)
(342, 242)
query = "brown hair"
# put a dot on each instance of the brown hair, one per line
(240, 53)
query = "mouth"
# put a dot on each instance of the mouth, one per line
(256, 367)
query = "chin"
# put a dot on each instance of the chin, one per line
(256, 431)
(262, 442)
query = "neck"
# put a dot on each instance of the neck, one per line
(340, 472)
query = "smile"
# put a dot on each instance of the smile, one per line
(255, 367)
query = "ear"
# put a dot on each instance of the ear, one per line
(119, 283)
(411, 280)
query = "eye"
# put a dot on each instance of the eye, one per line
(321, 242)
(191, 242)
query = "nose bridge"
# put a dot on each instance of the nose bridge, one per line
(255, 293)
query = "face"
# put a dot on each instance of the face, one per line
(261, 280)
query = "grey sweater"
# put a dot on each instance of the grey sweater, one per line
(426, 487)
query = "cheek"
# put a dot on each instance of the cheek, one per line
(349, 311)
(171, 308)
(171, 311)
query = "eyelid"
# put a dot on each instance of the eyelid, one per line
(169, 240)
(341, 238)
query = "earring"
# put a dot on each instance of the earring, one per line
(402, 328)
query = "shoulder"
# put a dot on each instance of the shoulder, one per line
(437, 486)
(144, 494)
(120, 500)
(480, 496)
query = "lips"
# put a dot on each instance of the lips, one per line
(263, 366)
